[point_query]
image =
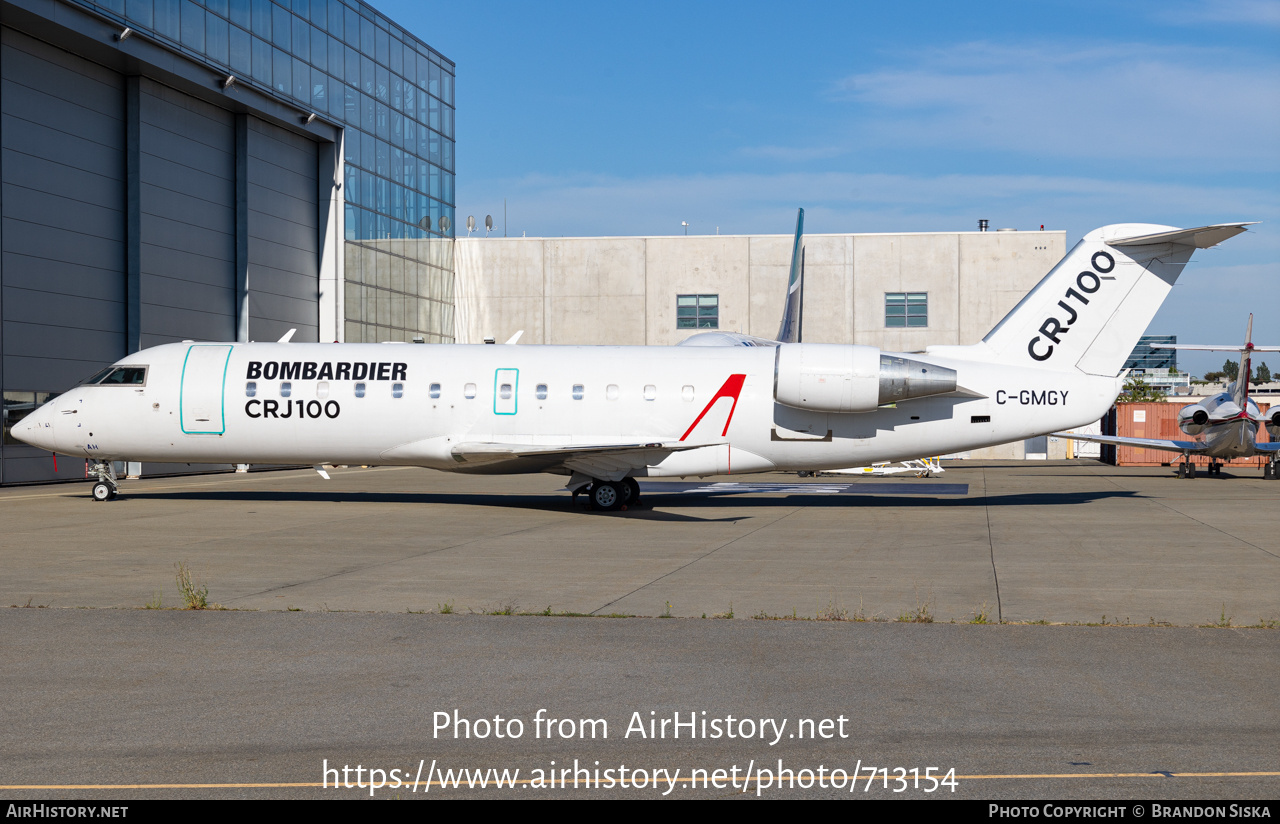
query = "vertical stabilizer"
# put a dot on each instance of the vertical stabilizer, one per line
(1240, 388)
(793, 310)
(1090, 311)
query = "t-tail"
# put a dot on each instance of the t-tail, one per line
(1090, 310)
(1240, 388)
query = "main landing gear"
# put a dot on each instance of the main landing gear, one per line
(608, 496)
(105, 488)
(1271, 471)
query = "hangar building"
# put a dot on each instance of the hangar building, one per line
(213, 170)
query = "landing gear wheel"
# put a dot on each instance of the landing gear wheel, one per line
(630, 491)
(605, 496)
(1191, 470)
(103, 491)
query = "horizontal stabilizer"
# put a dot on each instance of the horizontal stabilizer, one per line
(1201, 238)
(1192, 447)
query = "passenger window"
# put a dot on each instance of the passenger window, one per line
(251, 389)
(686, 393)
(542, 391)
(611, 392)
(650, 391)
(469, 391)
(322, 390)
(359, 390)
(504, 391)
(435, 390)
(286, 389)
(397, 390)
(578, 392)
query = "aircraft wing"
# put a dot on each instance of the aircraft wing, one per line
(597, 460)
(1193, 447)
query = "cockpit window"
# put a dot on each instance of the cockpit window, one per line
(121, 376)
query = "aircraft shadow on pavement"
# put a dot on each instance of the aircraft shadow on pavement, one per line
(653, 506)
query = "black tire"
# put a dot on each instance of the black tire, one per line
(102, 491)
(605, 496)
(630, 491)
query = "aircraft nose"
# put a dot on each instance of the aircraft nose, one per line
(38, 428)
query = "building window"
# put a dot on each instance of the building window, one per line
(909, 309)
(697, 311)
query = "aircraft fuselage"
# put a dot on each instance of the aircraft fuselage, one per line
(289, 403)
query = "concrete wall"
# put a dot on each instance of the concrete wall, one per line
(623, 290)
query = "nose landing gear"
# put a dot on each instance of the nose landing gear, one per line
(106, 488)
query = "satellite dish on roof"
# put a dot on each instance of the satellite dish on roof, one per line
(471, 223)
(444, 223)
(488, 224)
(425, 223)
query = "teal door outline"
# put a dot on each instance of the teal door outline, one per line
(505, 406)
(202, 392)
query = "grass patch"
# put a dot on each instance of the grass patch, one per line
(193, 596)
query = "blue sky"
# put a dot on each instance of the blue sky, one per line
(612, 119)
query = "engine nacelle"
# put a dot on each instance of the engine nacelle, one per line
(1273, 423)
(1191, 419)
(832, 377)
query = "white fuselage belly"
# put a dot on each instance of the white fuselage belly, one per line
(175, 418)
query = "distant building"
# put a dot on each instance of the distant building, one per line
(1150, 360)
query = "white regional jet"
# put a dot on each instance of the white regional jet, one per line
(719, 403)
(1227, 422)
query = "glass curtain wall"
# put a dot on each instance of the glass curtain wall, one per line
(394, 96)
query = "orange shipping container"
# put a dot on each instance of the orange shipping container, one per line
(1160, 420)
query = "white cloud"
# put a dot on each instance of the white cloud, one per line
(1247, 12)
(1116, 102)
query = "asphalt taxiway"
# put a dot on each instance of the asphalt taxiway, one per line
(333, 651)
(1067, 542)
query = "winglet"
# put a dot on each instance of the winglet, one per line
(287, 336)
(793, 309)
(514, 338)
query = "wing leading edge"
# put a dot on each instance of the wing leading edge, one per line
(1185, 447)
